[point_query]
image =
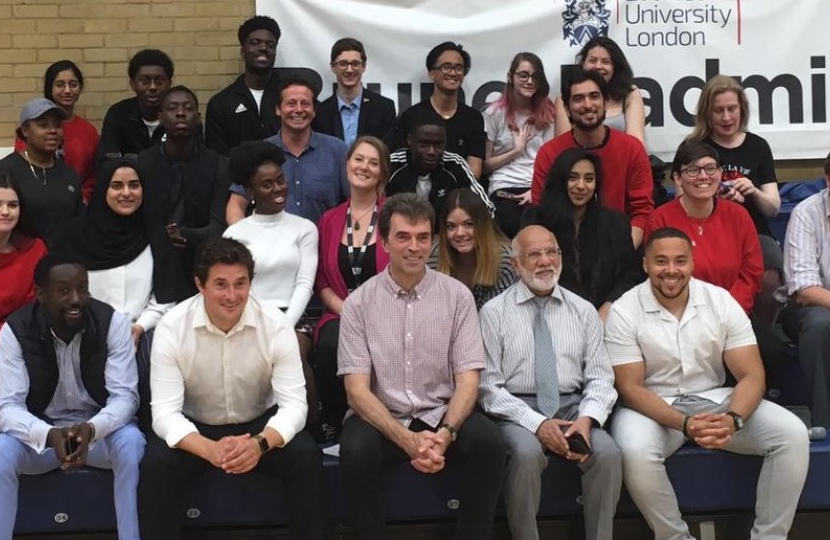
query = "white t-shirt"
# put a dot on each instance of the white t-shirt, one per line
(519, 172)
(682, 357)
(257, 97)
(152, 126)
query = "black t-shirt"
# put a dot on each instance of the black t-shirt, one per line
(752, 159)
(52, 195)
(367, 265)
(465, 129)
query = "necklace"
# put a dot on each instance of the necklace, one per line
(32, 167)
(356, 225)
(439, 111)
(697, 221)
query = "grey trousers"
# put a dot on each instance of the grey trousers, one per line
(772, 432)
(526, 459)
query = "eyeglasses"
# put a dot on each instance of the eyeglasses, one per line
(693, 171)
(525, 76)
(342, 65)
(448, 68)
(536, 255)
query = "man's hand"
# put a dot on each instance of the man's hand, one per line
(552, 436)
(710, 430)
(136, 331)
(242, 454)
(78, 438)
(428, 456)
(582, 426)
(217, 450)
(56, 440)
(175, 235)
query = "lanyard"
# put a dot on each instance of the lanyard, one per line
(355, 262)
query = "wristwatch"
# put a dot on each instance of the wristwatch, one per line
(739, 422)
(262, 442)
(451, 429)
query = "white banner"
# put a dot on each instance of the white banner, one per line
(777, 49)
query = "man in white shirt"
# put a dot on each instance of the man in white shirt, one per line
(806, 319)
(671, 340)
(228, 392)
(513, 390)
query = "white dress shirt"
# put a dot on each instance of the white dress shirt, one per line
(685, 357)
(202, 374)
(581, 359)
(807, 246)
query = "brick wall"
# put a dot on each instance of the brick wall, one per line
(101, 35)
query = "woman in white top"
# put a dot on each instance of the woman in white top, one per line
(624, 110)
(131, 263)
(517, 125)
(284, 246)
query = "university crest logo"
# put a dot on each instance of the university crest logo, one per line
(584, 20)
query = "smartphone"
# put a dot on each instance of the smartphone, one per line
(578, 444)
(725, 186)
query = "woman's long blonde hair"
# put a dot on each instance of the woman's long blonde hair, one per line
(714, 87)
(489, 239)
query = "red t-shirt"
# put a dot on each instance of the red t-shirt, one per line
(726, 249)
(626, 172)
(80, 142)
(17, 277)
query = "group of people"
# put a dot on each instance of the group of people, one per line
(491, 291)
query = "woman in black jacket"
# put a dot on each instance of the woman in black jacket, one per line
(599, 262)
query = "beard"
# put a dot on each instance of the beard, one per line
(576, 122)
(537, 283)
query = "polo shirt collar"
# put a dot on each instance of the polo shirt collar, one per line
(696, 298)
(313, 141)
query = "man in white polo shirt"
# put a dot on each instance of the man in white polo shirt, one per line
(671, 340)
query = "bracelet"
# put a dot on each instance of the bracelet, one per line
(685, 427)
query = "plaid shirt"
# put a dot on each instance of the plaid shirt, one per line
(412, 343)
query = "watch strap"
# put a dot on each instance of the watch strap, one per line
(262, 442)
(451, 429)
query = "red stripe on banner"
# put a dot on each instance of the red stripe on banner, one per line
(739, 22)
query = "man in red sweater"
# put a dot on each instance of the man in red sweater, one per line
(627, 180)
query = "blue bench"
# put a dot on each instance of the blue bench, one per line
(705, 482)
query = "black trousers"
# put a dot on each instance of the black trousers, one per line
(508, 213)
(479, 449)
(329, 385)
(165, 473)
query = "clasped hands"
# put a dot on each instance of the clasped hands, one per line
(235, 454)
(710, 430)
(71, 444)
(426, 450)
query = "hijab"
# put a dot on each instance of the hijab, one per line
(104, 240)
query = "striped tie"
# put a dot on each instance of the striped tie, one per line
(547, 376)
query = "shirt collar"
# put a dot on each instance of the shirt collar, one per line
(201, 319)
(525, 295)
(417, 292)
(356, 103)
(651, 305)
